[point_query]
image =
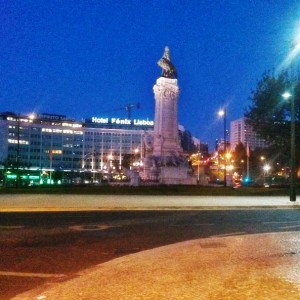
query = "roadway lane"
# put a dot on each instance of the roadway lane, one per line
(39, 248)
(44, 202)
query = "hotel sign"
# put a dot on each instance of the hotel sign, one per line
(118, 121)
(52, 117)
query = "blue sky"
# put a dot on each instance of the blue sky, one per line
(89, 58)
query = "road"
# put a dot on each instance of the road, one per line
(39, 248)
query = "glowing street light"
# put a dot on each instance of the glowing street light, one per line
(287, 95)
(222, 113)
(267, 168)
(228, 155)
(266, 171)
(32, 116)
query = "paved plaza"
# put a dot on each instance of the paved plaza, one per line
(235, 266)
(262, 266)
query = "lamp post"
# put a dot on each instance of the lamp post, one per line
(286, 96)
(198, 167)
(262, 159)
(222, 113)
(18, 152)
(110, 157)
(266, 172)
(291, 57)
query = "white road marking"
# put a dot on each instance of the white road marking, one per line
(91, 227)
(192, 224)
(281, 222)
(230, 234)
(24, 274)
(291, 226)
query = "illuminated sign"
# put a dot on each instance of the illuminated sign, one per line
(51, 117)
(143, 122)
(118, 121)
(100, 120)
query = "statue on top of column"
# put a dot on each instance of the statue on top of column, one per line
(168, 69)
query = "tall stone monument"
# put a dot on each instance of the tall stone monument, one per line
(164, 160)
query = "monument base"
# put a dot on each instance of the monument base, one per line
(168, 170)
(176, 175)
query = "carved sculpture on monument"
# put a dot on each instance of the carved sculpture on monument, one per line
(165, 162)
(168, 70)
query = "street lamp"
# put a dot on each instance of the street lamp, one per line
(198, 167)
(136, 161)
(266, 171)
(222, 113)
(32, 116)
(286, 96)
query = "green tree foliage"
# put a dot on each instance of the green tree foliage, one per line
(269, 112)
(239, 156)
(240, 153)
(127, 160)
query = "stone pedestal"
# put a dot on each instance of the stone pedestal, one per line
(166, 139)
(134, 178)
(176, 175)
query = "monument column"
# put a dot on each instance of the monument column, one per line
(165, 162)
(166, 137)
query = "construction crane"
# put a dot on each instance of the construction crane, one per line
(127, 107)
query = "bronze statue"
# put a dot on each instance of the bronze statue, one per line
(168, 70)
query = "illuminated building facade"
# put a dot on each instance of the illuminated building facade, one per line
(241, 132)
(54, 142)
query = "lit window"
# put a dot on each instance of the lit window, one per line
(67, 131)
(56, 151)
(46, 130)
(13, 141)
(57, 130)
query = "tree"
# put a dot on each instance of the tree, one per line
(127, 160)
(269, 113)
(239, 152)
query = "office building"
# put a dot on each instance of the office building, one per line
(241, 132)
(49, 141)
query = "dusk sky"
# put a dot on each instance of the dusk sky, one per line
(90, 58)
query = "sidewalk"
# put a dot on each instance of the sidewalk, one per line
(44, 202)
(262, 266)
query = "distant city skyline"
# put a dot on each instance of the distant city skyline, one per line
(85, 59)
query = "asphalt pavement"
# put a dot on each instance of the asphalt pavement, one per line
(257, 266)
